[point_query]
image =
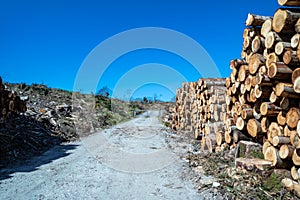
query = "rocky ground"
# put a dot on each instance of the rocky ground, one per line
(137, 159)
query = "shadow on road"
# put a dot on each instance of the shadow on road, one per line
(34, 163)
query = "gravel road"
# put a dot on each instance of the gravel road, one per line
(129, 161)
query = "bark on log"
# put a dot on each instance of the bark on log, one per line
(280, 47)
(290, 58)
(272, 155)
(284, 21)
(239, 136)
(269, 109)
(256, 20)
(278, 140)
(264, 124)
(286, 90)
(281, 118)
(291, 186)
(279, 71)
(289, 2)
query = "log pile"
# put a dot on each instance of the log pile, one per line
(200, 109)
(262, 94)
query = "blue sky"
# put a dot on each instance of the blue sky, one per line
(47, 41)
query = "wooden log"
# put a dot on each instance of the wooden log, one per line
(295, 173)
(256, 20)
(256, 110)
(269, 109)
(271, 58)
(286, 151)
(239, 136)
(273, 97)
(280, 47)
(297, 26)
(263, 80)
(272, 155)
(266, 28)
(247, 113)
(271, 39)
(253, 164)
(278, 140)
(248, 83)
(256, 60)
(236, 63)
(290, 58)
(228, 138)
(295, 80)
(285, 103)
(295, 74)
(243, 72)
(252, 97)
(264, 124)
(296, 85)
(262, 92)
(279, 71)
(220, 137)
(295, 41)
(284, 21)
(253, 127)
(295, 140)
(286, 90)
(291, 186)
(281, 118)
(289, 2)
(240, 123)
(273, 131)
(211, 143)
(296, 157)
(292, 117)
(258, 44)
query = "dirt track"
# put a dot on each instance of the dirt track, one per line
(129, 161)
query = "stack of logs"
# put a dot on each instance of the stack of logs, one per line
(10, 103)
(262, 94)
(263, 90)
(200, 109)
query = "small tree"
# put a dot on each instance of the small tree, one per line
(104, 91)
(145, 100)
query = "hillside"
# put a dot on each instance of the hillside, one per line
(54, 116)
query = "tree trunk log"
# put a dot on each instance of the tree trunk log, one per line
(289, 2)
(269, 109)
(271, 39)
(256, 20)
(280, 47)
(256, 60)
(286, 90)
(292, 117)
(286, 151)
(279, 71)
(253, 127)
(284, 21)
